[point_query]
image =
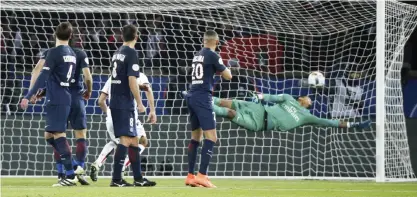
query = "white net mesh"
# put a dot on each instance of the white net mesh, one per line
(396, 144)
(275, 44)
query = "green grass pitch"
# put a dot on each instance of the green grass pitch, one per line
(41, 187)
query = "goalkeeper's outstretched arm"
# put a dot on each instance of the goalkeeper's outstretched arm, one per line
(271, 98)
(322, 122)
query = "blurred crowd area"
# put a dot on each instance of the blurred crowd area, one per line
(168, 42)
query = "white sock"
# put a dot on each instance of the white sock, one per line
(126, 164)
(142, 148)
(105, 152)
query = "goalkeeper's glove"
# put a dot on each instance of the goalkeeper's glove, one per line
(255, 97)
(361, 125)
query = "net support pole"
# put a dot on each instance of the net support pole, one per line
(380, 91)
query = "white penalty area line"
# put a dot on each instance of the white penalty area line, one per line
(239, 188)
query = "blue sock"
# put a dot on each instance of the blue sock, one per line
(81, 151)
(59, 166)
(74, 164)
(192, 155)
(134, 157)
(119, 158)
(206, 154)
(65, 151)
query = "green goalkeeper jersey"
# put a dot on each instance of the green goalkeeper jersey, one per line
(287, 113)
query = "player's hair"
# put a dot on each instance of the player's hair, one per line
(63, 31)
(129, 33)
(211, 35)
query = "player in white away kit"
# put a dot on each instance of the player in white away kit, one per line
(143, 83)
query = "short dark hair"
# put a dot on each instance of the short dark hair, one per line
(129, 33)
(63, 31)
(210, 34)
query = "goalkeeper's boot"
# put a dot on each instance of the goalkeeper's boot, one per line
(121, 183)
(190, 181)
(204, 181)
(66, 182)
(79, 172)
(94, 171)
(144, 182)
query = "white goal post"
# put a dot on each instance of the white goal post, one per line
(271, 46)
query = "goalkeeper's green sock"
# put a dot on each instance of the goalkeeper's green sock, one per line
(220, 111)
(216, 100)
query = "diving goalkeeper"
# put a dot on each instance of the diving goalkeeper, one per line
(276, 112)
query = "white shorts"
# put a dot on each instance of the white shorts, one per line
(110, 128)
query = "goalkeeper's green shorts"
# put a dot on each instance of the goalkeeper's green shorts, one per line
(249, 115)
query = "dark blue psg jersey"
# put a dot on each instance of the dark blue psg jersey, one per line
(58, 71)
(205, 65)
(125, 63)
(76, 83)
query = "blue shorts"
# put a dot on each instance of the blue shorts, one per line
(77, 116)
(56, 118)
(124, 122)
(201, 113)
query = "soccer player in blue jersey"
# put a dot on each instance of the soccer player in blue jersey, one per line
(205, 64)
(124, 91)
(143, 83)
(58, 72)
(77, 116)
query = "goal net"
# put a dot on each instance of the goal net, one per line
(271, 46)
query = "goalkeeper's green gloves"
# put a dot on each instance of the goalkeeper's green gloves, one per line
(361, 125)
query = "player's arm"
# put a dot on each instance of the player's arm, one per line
(102, 102)
(88, 79)
(134, 88)
(38, 68)
(322, 122)
(36, 71)
(149, 95)
(224, 71)
(151, 99)
(103, 96)
(40, 81)
(275, 98)
(151, 102)
(144, 85)
(270, 98)
(226, 74)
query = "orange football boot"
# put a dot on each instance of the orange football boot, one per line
(203, 180)
(190, 181)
